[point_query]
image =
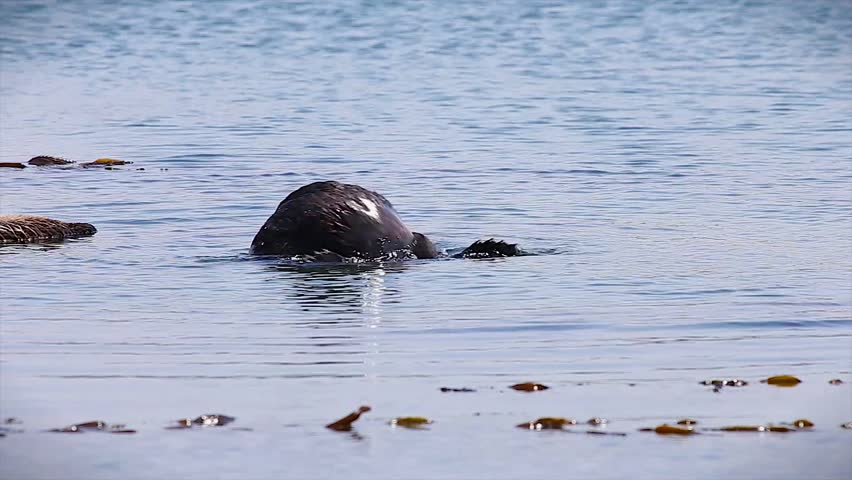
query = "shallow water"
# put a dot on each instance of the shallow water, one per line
(682, 169)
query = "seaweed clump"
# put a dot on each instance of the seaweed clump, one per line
(345, 423)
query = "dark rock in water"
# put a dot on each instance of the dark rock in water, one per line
(31, 229)
(331, 221)
(46, 160)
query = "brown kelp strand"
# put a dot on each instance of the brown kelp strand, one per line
(529, 387)
(782, 381)
(755, 428)
(802, 423)
(687, 421)
(547, 423)
(12, 165)
(105, 162)
(457, 390)
(666, 429)
(345, 423)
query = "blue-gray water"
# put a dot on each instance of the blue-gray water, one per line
(682, 167)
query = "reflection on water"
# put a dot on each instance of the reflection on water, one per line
(350, 288)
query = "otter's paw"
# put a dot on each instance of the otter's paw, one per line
(490, 248)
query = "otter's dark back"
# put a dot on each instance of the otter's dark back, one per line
(347, 220)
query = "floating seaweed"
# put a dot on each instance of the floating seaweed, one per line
(803, 423)
(666, 429)
(12, 165)
(782, 381)
(597, 421)
(529, 387)
(94, 426)
(547, 423)
(835, 381)
(756, 428)
(105, 162)
(457, 390)
(345, 423)
(687, 422)
(410, 422)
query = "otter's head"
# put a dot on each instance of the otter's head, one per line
(422, 247)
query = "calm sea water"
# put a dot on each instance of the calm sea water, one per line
(682, 169)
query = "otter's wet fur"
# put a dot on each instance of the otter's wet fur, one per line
(32, 229)
(332, 221)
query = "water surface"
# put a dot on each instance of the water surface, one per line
(683, 168)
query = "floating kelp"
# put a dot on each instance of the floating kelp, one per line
(835, 381)
(666, 429)
(104, 162)
(803, 423)
(457, 390)
(12, 165)
(597, 421)
(12, 421)
(410, 422)
(782, 381)
(93, 426)
(755, 428)
(687, 421)
(47, 161)
(529, 387)
(547, 423)
(345, 423)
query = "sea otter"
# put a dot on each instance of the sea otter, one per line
(31, 229)
(331, 221)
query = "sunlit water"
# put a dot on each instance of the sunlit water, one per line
(682, 169)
